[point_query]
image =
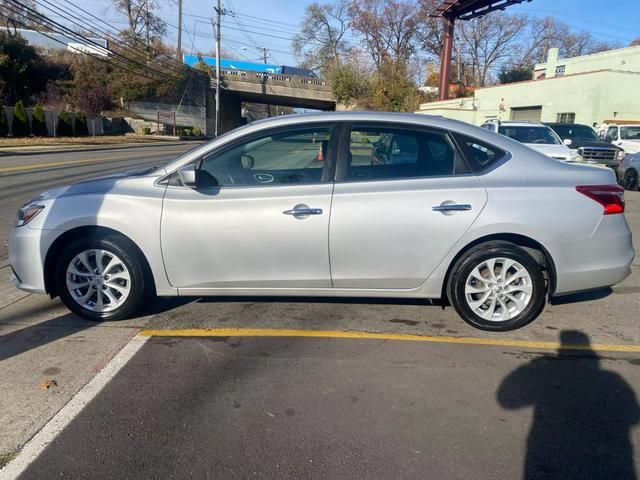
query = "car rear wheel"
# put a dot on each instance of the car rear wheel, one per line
(498, 287)
(630, 180)
(101, 279)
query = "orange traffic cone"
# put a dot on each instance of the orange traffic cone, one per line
(320, 157)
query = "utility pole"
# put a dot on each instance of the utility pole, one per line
(264, 55)
(179, 50)
(146, 22)
(219, 13)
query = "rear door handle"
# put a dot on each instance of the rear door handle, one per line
(451, 207)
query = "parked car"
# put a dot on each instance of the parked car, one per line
(626, 137)
(629, 171)
(465, 216)
(534, 135)
(584, 142)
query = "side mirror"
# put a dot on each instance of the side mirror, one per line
(567, 142)
(188, 175)
(247, 162)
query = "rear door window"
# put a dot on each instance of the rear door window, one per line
(387, 153)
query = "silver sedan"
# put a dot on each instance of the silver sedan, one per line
(338, 204)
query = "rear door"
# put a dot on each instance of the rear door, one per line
(403, 197)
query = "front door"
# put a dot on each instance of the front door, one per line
(266, 223)
(402, 200)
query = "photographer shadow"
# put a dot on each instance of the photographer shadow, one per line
(582, 414)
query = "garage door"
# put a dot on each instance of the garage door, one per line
(526, 114)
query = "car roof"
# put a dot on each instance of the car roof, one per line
(515, 123)
(553, 124)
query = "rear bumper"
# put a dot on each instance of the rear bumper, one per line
(601, 260)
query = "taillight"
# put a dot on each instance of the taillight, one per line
(611, 197)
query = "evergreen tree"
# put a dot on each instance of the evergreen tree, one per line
(38, 121)
(20, 121)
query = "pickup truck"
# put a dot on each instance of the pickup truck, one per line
(584, 141)
(626, 137)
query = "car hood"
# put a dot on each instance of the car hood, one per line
(99, 185)
(560, 152)
(631, 145)
(592, 144)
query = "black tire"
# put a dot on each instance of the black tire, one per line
(630, 180)
(474, 257)
(139, 287)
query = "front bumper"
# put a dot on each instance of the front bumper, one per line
(27, 250)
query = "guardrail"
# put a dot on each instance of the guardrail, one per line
(275, 79)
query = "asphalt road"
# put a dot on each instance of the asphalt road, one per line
(464, 404)
(23, 177)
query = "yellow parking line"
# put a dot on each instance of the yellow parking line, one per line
(24, 168)
(272, 332)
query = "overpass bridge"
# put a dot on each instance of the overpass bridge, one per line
(197, 107)
(239, 86)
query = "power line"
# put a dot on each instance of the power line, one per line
(115, 40)
(66, 45)
(46, 22)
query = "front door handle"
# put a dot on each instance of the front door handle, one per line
(451, 207)
(303, 211)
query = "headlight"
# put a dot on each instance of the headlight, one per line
(620, 155)
(28, 213)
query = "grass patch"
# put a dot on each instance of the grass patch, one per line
(6, 458)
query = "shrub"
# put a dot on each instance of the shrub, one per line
(186, 132)
(197, 132)
(38, 121)
(64, 125)
(20, 120)
(4, 127)
(81, 124)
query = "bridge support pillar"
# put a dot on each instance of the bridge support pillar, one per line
(230, 112)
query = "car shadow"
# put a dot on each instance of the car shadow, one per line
(578, 297)
(328, 300)
(34, 336)
(582, 414)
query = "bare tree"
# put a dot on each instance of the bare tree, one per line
(388, 27)
(488, 40)
(16, 15)
(53, 102)
(321, 43)
(92, 102)
(541, 34)
(143, 25)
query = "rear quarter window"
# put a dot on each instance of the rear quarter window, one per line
(479, 154)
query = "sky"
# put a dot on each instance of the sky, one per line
(251, 25)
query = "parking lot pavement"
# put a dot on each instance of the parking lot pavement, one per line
(41, 341)
(245, 407)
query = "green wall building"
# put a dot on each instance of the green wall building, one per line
(589, 89)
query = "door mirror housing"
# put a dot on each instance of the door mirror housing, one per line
(188, 175)
(567, 142)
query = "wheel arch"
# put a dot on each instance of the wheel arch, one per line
(531, 246)
(85, 232)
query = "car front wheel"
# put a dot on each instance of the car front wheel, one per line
(101, 278)
(498, 287)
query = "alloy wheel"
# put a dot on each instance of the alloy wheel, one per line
(98, 280)
(498, 289)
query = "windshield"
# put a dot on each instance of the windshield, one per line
(575, 132)
(525, 134)
(630, 133)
